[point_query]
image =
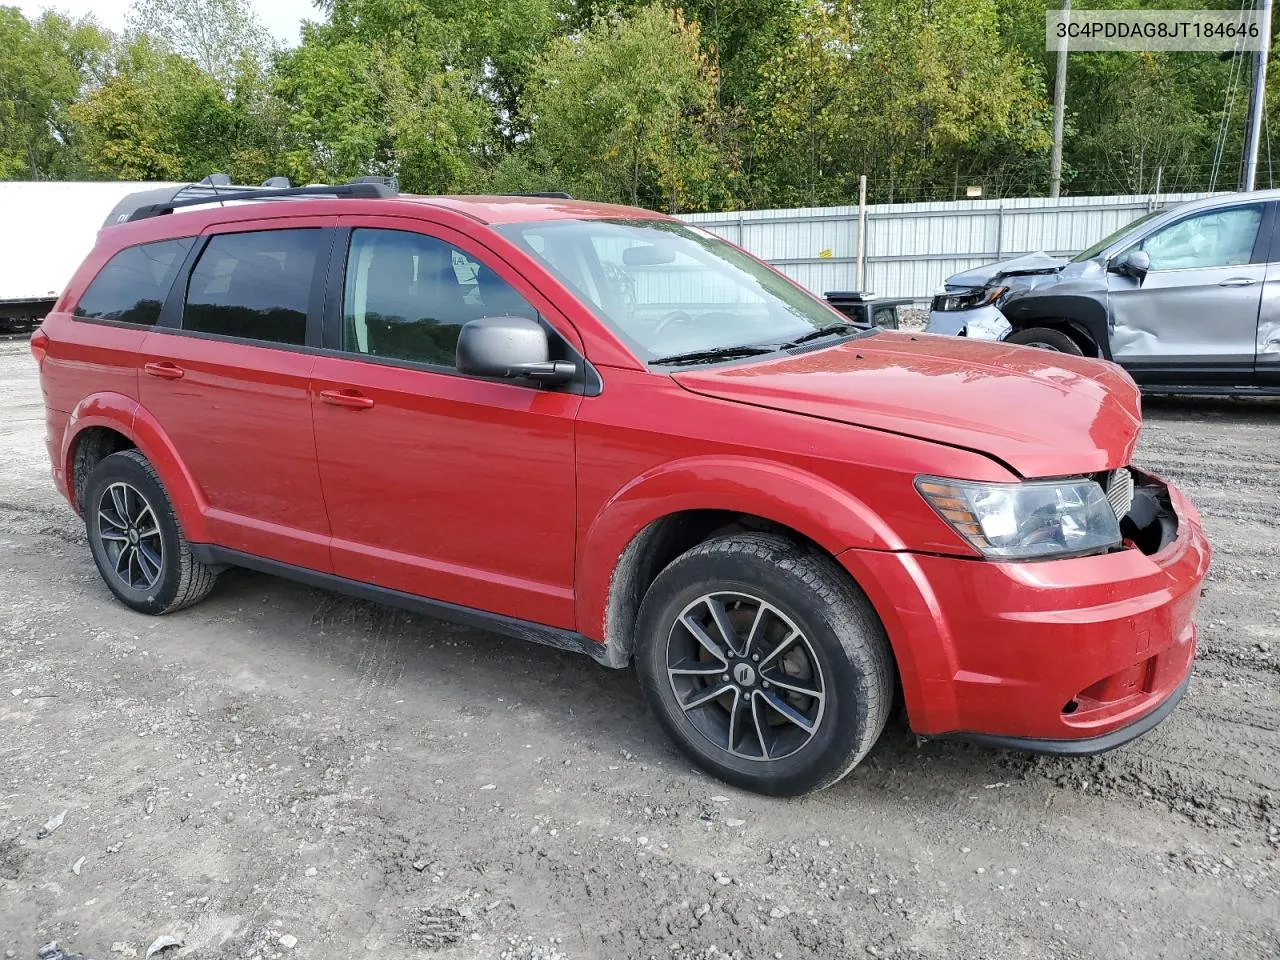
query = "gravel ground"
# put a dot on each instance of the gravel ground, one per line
(281, 772)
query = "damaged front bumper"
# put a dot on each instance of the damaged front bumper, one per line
(1062, 656)
(979, 323)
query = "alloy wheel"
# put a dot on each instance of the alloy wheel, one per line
(745, 676)
(130, 536)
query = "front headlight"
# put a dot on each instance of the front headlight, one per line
(967, 300)
(1026, 521)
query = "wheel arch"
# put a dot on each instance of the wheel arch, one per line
(673, 508)
(1084, 319)
(104, 423)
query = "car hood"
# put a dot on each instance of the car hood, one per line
(1043, 414)
(1028, 264)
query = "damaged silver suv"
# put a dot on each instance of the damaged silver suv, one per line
(1179, 298)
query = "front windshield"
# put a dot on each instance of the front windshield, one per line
(671, 289)
(1107, 241)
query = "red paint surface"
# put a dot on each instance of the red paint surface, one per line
(519, 501)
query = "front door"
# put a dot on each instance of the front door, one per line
(227, 380)
(1193, 319)
(437, 484)
(1267, 363)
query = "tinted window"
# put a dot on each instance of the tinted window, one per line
(1219, 238)
(253, 285)
(886, 317)
(132, 286)
(407, 296)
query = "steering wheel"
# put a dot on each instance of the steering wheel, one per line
(675, 316)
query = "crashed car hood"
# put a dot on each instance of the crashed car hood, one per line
(1030, 263)
(1043, 414)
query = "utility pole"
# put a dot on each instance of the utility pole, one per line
(1060, 109)
(861, 273)
(1257, 99)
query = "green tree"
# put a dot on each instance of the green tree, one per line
(44, 65)
(357, 109)
(495, 42)
(625, 109)
(216, 35)
(159, 116)
(905, 93)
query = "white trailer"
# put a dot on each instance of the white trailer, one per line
(48, 229)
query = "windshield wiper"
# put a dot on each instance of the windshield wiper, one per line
(840, 326)
(714, 353)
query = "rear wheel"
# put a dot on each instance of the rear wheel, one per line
(140, 550)
(764, 663)
(1045, 338)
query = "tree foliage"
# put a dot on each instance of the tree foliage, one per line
(673, 104)
(44, 66)
(158, 116)
(620, 110)
(216, 35)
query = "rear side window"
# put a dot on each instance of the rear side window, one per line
(132, 286)
(253, 285)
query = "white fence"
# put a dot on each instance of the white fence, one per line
(911, 248)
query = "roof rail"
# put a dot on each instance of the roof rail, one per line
(212, 189)
(551, 195)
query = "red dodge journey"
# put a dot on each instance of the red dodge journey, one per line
(602, 429)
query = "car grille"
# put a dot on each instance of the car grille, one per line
(1119, 486)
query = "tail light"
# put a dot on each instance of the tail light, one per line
(39, 345)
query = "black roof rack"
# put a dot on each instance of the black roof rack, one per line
(217, 188)
(552, 195)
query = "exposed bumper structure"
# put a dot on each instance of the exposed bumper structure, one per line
(1066, 656)
(980, 323)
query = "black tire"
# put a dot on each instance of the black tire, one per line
(842, 651)
(1045, 338)
(179, 578)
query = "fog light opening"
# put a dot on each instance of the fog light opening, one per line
(1071, 706)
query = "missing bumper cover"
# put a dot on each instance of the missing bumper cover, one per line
(1151, 523)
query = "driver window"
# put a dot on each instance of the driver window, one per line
(406, 296)
(1218, 238)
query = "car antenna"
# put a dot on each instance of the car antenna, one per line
(213, 181)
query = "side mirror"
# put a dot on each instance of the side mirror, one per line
(509, 347)
(1135, 264)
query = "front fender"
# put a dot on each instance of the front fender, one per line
(811, 505)
(1085, 313)
(126, 416)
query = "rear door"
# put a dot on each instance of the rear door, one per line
(226, 375)
(1193, 319)
(439, 484)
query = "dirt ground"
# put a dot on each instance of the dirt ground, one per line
(283, 772)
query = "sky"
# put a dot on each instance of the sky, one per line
(282, 18)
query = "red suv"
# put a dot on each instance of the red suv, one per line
(599, 428)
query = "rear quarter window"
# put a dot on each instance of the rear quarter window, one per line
(133, 285)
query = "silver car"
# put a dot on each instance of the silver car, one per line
(1186, 299)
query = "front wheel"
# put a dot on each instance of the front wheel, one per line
(1045, 338)
(764, 663)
